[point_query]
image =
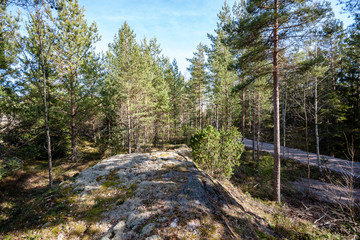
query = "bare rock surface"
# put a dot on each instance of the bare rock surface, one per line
(163, 195)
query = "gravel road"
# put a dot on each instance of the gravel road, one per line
(332, 163)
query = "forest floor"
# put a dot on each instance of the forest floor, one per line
(28, 209)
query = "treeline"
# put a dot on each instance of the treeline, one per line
(269, 64)
(129, 98)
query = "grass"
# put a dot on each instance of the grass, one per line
(26, 202)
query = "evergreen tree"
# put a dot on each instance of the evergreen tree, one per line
(223, 79)
(38, 62)
(262, 27)
(128, 80)
(74, 46)
(197, 84)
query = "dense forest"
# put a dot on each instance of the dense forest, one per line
(280, 71)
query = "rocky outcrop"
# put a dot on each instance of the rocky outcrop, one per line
(160, 195)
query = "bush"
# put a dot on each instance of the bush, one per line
(217, 152)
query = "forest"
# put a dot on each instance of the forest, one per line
(283, 72)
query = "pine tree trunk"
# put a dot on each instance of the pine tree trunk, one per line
(128, 126)
(243, 113)
(307, 139)
(317, 127)
(258, 128)
(109, 136)
(284, 109)
(253, 128)
(93, 128)
(332, 66)
(227, 114)
(277, 183)
(316, 116)
(200, 126)
(217, 116)
(73, 124)
(46, 117)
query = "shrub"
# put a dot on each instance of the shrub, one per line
(217, 152)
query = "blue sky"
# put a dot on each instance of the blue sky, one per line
(178, 25)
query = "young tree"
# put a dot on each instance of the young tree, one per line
(38, 55)
(74, 46)
(222, 79)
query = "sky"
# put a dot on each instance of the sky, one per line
(178, 25)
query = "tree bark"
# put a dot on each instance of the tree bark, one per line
(217, 116)
(276, 183)
(307, 139)
(243, 113)
(253, 128)
(258, 128)
(316, 115)
(73, 124)
(109, 136)
(317, 127)
(46, 117)
(284, 109)
(128, 126)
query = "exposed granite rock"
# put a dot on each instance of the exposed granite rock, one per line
(162, 195)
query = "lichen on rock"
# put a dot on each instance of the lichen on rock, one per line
(157, 195)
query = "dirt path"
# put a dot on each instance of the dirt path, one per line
(332, 163)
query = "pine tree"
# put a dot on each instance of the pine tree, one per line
(38, 62)
(197, 83)
(261, 28)
(9, 43)
(128, 79)
(74, 45)
(220, 59)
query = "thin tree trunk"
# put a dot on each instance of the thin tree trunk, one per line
(307, 139)
(316, 116)
(109, 136)
(93, 128)
(317, 127)
(276, 183)
(250, 114)
(46, 117)
(284, 109)
(217, 116)
(128, 127)
(243, 113)
(227, 112)
(73, 124)
(258, 128)
(200, 126)
(253, 128)
(332, 67)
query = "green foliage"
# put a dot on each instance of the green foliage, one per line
(217, 151)
(8, 166)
